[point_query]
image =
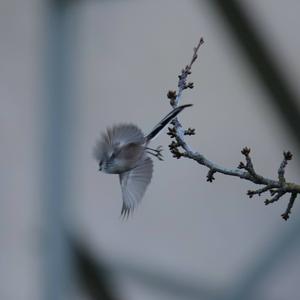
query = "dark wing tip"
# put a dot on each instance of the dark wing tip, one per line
(125, 212)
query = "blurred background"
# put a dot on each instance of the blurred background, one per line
(71, 68)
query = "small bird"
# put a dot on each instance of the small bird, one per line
(123, 149)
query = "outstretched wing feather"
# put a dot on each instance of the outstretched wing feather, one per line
(134, 184)
(117, 136)
(124, 134)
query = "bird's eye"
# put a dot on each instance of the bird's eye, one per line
(100, 163)
(113, 156)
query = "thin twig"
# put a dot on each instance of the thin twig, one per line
(180, 148)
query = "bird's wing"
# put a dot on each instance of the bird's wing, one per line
(124, 134)
(134, 184)
(116, 137)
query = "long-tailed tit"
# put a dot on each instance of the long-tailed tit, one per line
(123, 149)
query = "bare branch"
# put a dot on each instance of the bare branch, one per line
(210, 175)
(245, 170)
(275, 198)
(286, 157)
(287, 213)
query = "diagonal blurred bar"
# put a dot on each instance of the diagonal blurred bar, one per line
(94, 276)
(264, 263)
(262, 63)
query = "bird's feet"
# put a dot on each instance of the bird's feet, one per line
(156, 152)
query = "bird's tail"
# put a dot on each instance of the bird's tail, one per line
(165, 121)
